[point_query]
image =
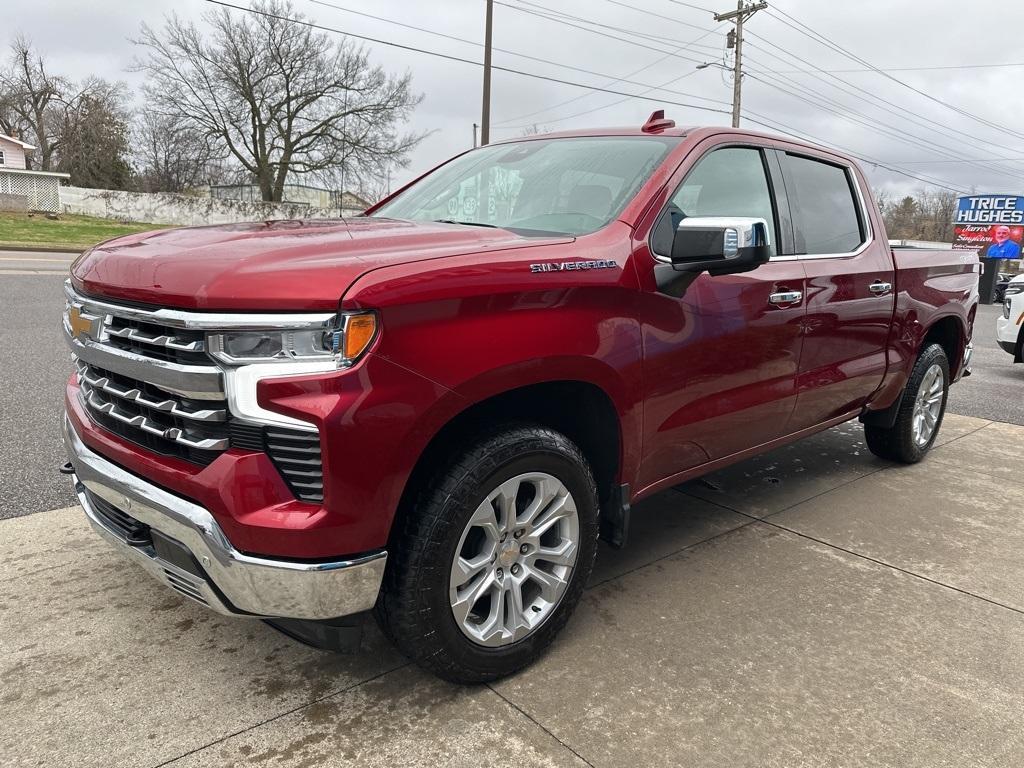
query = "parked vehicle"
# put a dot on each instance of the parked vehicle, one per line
(434, 410)
(1010, 325)
(1003, 282)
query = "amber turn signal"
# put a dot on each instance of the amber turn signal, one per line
(359, 332)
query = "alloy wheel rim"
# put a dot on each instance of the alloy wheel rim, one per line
(514, 560)
(928, 405)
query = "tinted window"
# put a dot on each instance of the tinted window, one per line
(725, 182)
(570, 185)
(825, 216)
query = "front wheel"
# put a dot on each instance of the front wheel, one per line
(493, 557)
(922, 406)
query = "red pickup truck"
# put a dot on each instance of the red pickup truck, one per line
(435, 409)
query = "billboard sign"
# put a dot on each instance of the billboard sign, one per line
(992, 225)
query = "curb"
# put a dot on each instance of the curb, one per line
(42, 248)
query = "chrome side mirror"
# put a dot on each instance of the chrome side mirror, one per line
(720, 245)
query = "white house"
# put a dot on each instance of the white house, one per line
(12, 153)
(21, 189)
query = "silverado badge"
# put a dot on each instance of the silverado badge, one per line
(563, 266)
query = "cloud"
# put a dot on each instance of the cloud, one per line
(913, 132)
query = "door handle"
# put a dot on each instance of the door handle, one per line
(786, 297)
(880, 288)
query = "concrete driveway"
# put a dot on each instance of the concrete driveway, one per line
(812, 607)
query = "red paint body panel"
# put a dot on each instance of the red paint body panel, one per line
(270, 265)
(697, 381)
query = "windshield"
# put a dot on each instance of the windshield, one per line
(565, 186)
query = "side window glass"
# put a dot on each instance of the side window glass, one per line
(725, 182)
(825, 217)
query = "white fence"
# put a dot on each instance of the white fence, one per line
(38, 188)
(183, 210)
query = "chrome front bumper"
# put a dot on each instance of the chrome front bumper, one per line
(221, 577)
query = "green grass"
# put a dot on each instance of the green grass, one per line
(73, 233)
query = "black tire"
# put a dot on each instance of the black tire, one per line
(898, 443)
(414, 608)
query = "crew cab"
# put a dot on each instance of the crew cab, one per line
(435, 409)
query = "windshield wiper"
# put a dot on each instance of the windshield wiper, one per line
(466, 223)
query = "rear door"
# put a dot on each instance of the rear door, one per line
(850, 288)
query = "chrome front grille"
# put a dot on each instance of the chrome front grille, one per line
(175, 345)
(195, 430)
(146, 376)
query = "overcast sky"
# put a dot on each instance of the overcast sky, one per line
(919, 135)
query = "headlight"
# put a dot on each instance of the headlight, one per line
(1013, 289)
(341, 342)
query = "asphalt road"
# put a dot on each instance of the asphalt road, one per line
(37, 363)
(995, 389)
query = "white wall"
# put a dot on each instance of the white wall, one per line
(14, 155)
(183, 210)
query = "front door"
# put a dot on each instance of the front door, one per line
(720, 357)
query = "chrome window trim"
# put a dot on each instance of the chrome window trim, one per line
(206, 321)
(851, 177)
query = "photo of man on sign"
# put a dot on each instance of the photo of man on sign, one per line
(1005, 243)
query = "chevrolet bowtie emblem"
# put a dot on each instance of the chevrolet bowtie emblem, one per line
(80, 325)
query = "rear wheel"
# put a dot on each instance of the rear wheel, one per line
(922, 407)
(494, 556)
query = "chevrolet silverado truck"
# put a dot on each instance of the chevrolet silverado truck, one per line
(434, 410)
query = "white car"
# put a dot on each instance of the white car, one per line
(1009, 330)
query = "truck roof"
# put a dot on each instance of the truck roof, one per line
(694, 132)
(658, 125)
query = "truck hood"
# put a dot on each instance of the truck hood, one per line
(272, 265)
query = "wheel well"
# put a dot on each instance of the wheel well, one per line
(949, 335)
(579, 410)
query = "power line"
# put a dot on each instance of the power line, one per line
(796, 132)
(914, 69)
(477, 44)
(526, 6)
(884, 128)
(642, 95)
(817, 97)
(756, 118)
(609, 83)
(691, 5)
(897, 110)
(823, 40)
(461, 60)
(551, 17)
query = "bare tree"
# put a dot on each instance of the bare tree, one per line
(279, 96)
(926, 215)
(171, 156)
(93, 133)
(30, 102)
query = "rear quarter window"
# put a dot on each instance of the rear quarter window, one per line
(825, 211)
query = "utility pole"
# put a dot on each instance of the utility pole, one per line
(485, 119)
(474, 135)
(743, 12)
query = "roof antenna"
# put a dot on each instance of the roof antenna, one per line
(657, 122)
